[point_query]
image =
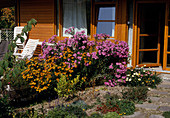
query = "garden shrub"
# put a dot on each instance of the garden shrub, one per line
(126, 107)
(66, 88)
(114, 104)
(111, 115)
(81, 104)
(76, 111)
(141, 77)
(59, 112)
(135, 94)
(66, 112)
(166, 114)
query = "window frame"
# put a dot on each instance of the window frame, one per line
(95, 20)
(93, 25)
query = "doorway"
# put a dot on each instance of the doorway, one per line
(150, 34)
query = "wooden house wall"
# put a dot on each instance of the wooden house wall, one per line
(43, 12)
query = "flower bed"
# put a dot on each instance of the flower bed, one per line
(77, 61)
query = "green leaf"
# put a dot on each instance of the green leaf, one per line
(13, 74)
(1, 71)
(29, 27)
(16, 38)
(9, 47)
(6, 64)
(22, 39)
(33, 21)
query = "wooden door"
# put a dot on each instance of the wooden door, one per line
(148, 37)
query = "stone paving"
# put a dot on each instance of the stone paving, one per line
(159, 101)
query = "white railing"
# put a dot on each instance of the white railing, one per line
(6, 34)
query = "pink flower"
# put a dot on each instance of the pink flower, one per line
(111, 66)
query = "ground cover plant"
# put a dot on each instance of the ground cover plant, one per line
(115, 104)
(142, 77)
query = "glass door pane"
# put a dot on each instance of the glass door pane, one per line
(148, 34)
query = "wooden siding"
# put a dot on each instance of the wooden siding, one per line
(43, 12)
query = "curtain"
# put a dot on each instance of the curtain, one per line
(74, 15)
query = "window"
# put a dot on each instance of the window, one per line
(80, 15)
(74, 13)
(105, 18)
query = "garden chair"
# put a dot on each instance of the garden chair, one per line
(29, 49)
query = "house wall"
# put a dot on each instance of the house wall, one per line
(43, 12)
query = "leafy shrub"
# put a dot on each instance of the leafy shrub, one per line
(135, 94)
(114, 104)
(81, 104)
(126, 107)
(64, 87)
(111, 115)
(109, 106)
(66, 112)
(141, 77)
(76, 111)
(20, 88)
(166, 114)
(59, 112)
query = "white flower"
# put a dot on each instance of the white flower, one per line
(133, 76)
(137, 73)
(144, 71)
(128, 75)
(127, 79)
(144, 65)
(130, 80)
(139, 79)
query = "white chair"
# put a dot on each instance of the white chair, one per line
(29, 49)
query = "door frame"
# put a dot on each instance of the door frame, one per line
(135, 30)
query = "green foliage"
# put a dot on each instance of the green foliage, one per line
(115, 104)
(109, 106)
(126, 107)
(95, 115)
(5, 108)
(166, 114)
(76, 111)
(81, 104)
(66, 88)
(60, 112)
(111, 115)
(141, 77)
(135, 94)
